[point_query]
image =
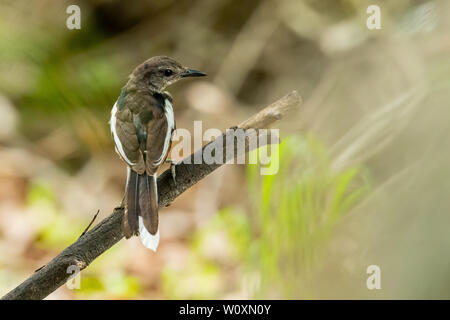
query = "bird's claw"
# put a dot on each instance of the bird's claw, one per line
(173, 164)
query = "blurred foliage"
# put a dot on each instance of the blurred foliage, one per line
(278, 242)
(113, 285)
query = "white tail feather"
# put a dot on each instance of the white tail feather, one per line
(148, 240)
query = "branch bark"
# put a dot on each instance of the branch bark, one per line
(109, 231)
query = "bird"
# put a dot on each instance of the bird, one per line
(142, 123)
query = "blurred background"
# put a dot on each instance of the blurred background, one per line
(364, 165)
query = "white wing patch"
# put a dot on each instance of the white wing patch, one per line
(148, 240)
(168, 111)
(119, 148)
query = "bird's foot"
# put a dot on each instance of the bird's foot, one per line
(173, 164)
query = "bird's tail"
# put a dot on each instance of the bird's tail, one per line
(141, 214)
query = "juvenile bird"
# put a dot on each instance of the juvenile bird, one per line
(142, 123)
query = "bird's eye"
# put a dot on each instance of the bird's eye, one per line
(168, 72)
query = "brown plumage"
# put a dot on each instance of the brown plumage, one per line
(142, 124)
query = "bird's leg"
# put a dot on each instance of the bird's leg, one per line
(173, 164)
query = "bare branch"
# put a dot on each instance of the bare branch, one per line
(109, 231)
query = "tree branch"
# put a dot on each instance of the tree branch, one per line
(109, 231)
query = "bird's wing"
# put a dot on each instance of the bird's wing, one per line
(125, 138)
(159, 132)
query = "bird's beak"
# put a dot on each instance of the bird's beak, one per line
(192, 73)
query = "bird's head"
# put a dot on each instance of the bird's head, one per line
(159, 72)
